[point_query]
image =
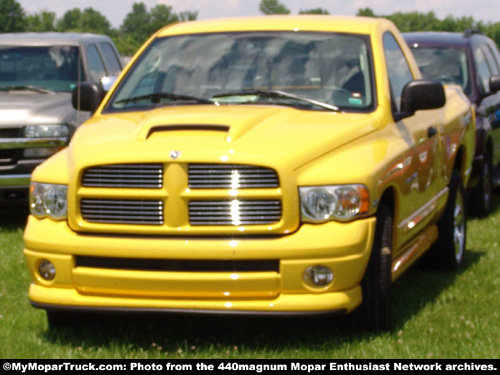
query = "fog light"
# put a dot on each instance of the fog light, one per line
(318, 275)
(47, 270)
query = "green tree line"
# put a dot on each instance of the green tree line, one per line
(409, 21)
(141, 22)
(138, 25)
(418, 21)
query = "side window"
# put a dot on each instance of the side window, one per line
(110, 57)
(96, 66)
(483, 69)
(494, 51)
(490, 58)
(398, 71)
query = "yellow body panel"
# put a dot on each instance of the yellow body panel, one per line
(129, 266)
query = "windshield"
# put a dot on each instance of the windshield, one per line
(320, 71)
(446, 64)
(52, 68)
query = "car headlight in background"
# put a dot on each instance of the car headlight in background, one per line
(339, 202)
(48, 200)
(54, 133)
(46, 131)
(41, 152)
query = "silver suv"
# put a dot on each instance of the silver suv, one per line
(38, 72)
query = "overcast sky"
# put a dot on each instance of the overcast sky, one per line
(116, 10)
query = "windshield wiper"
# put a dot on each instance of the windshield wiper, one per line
(25, 88)
(278, 94)
(156, 97)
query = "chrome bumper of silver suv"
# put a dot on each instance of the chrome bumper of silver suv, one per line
(9, 143)
(15, 180)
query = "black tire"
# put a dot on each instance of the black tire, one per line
(448, 253)
(482, 193)
(376, 312)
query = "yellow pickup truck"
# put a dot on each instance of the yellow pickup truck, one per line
(277, 165)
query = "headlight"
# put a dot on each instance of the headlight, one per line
(46, 131)
(339, 202)
(48, 200)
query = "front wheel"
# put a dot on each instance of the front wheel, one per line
(482, 194)
(376, 285)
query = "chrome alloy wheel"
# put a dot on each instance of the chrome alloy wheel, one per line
(459, 227)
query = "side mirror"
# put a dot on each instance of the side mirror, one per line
(87, 96)
(421, 95)
(494, 84)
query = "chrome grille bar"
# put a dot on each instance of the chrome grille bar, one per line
(113, 211)
(234, 212)
(231, 176)
(124, 176)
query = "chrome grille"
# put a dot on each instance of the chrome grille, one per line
(124, 176)
(234, 212)
(8, 156)
(11, 132)
(112, 211)
(231, 176)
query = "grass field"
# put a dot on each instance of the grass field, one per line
(436, 315)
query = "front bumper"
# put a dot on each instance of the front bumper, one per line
(14, 189)
(343, 247)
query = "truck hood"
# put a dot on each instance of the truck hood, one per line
(24, 107)
(261, 135)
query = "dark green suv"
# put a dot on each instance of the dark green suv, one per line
(471, 60)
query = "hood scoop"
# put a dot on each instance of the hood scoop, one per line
(187, 128)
